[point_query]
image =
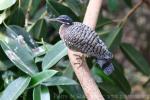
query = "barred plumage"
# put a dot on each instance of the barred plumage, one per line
(81, 38)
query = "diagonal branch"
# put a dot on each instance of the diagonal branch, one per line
(83, 74)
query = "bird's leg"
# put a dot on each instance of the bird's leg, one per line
(79, 59)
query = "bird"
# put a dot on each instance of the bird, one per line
(81, 38)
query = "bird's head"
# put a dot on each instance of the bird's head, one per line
(63, 19)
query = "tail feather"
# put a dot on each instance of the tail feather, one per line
(106, 66)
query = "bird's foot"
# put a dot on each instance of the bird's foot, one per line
(79, 59)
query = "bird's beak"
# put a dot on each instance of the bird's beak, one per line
(50, 19)
(53, 20)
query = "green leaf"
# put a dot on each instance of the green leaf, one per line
(54, 55)
(40, 13)
(19, 56)
(41, 93)
(113, 5)
(5, 64)
(129, 3)
(136, 58)
(19, 14)
(39, 29)
(102, 21)
(43, 49)
(3, 16)
(59, 80)
(119, 66)
(75, 91)
(114, 38)
(41, 77)
(35, 6)
(15, 88)
(75, 6)
(106, 84)
(119, 78)
(36, 93)
(57, 9)
(14, 31)
(4, 4)
(45, 95)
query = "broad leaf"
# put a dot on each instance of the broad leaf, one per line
(59, 80)
(16, 18)
(39, 29)
(19, 56)
(58, 9)
(41, 77)
(75, 6)
(136, 58)
(54, 55)
(114, 38)
(14, 31)
(4, 4)
(15, 89)
(41, 93)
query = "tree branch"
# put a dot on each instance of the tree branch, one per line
(124, 20)
(82, 72)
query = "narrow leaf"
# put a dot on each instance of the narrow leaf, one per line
(15, 89)
(45, 95)
(114, 38)
(136, 58)
(39, 29)
(54, 55)
(41, 93)
(59, 80)
(120, 80)
(107, 84)
(75, 91)
(41, 77)
(36, 93)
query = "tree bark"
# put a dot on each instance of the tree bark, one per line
(82, 72)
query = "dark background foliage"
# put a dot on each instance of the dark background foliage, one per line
(33, 59)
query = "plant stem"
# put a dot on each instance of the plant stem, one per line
(124, 20)
(147, 2)
(27, 13)
(19, 3)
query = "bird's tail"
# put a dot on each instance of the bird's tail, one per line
(106, 66)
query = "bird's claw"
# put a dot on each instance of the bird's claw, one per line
(79, 59)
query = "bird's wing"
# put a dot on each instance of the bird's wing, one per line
(81, 38)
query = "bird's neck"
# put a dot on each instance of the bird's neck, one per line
(62, 30)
